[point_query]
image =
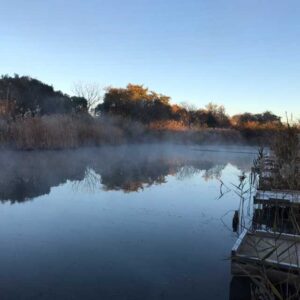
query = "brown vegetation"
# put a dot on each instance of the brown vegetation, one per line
(58, 132)
(35, 116)
(75, 130)
(287, 151)
(170, 125)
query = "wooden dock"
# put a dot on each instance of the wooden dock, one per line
(276, 253)
(277, 197)
(261, 249)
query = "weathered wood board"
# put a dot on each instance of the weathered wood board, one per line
(275, 252)
(284, 197)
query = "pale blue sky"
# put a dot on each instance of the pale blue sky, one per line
(244, 54)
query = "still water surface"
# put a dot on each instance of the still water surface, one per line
(132, 222)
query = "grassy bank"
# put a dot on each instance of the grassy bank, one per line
(64, 131)
(35, 116)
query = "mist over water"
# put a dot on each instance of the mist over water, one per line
(128, 222)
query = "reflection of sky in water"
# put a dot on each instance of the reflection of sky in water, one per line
(166, 241)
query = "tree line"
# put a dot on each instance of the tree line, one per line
(22, 95)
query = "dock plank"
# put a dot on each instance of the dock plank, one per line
(274, 249)
(280, 196)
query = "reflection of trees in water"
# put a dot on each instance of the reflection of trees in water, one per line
(133, 176)
(128, 175)
(214, 173)
(187, 171)
(210, 171)
(25, 175)
(89, 183)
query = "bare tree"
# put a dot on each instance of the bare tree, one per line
(189, 110)
(90, 91)
(188, 106)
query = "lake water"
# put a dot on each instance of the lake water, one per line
(131, 222)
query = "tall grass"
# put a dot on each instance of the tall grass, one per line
(58, 132)
(76, 130)
(286, 148)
